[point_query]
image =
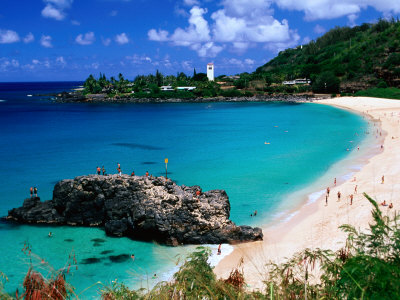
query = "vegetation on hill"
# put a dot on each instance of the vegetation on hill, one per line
(389, 93)
(359, 57)
(150, 86)
(368, 267)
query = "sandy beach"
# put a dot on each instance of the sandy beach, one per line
(316, 225)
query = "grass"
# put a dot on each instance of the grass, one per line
(388, 93)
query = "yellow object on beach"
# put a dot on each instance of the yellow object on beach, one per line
(267, 143)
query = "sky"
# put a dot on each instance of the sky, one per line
(66, 40)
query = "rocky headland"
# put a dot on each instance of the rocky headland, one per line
(139, 207)
(76, 97)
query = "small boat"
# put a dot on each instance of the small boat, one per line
(267, 143)
(29, 95)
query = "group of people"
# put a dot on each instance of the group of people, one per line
(351, 196)
(102, 171)
(339, 194)
(33, 191)
(385, 204)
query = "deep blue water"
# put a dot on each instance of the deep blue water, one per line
(258, 152)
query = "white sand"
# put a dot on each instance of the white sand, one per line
(316, 225)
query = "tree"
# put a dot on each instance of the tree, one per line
(159, 78)
(200, 77)
(326, 83)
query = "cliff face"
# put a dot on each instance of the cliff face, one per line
(141, 208)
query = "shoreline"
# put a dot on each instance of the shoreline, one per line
(311, 224)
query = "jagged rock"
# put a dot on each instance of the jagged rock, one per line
(141, 208)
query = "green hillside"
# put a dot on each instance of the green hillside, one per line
(355, 58)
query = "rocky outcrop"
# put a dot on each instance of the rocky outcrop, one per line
(141, 208)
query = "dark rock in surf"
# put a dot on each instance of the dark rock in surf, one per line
(141, 208)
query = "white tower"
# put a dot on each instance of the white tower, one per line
(210, 71)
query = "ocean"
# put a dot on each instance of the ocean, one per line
(260, 153)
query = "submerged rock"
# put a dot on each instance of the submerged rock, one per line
(141, 208)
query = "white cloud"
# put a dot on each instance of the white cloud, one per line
(352, 20)
(159, 36)
(8, 36)
(61, 61)
(327, 9)
(318, 29)
(55, 9)
(75, 22)
(235, 61)
(28, 38)
(196, 36)
(6, 64)
(191, 2)
(306, 40)
(137, 59)
(114, 13)
(122, 38)
(86, 39)
(49, 11)
(106, 41)
(45, 41)
(207, 50)
(249, 61)
(187, 65)
(240, 24)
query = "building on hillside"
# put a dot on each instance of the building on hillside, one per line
(186, 88)
(210, 71)
(297, 81)
(166, 88)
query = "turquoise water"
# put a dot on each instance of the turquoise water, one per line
(214, 145)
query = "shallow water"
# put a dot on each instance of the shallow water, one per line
(258, 152)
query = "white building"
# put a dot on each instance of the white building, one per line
(166, 88)
(210, 71)
(297, 81)
(186, 88)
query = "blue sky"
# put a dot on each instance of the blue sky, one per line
(69, 39)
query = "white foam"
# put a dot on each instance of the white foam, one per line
(315, 196)
(214, 258)
(347, 177)
(289, 217)
(2, 100)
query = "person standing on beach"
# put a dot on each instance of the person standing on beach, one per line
(383, 179)
(35, 191)
(103, 170)
(31, 190)
(355, 189)
(334, 182)
(219, 249)
(351, 199)
(133, 173)
(328, 191)
(147, 173)
(98, 170)
(338, 196)
(326, 200)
